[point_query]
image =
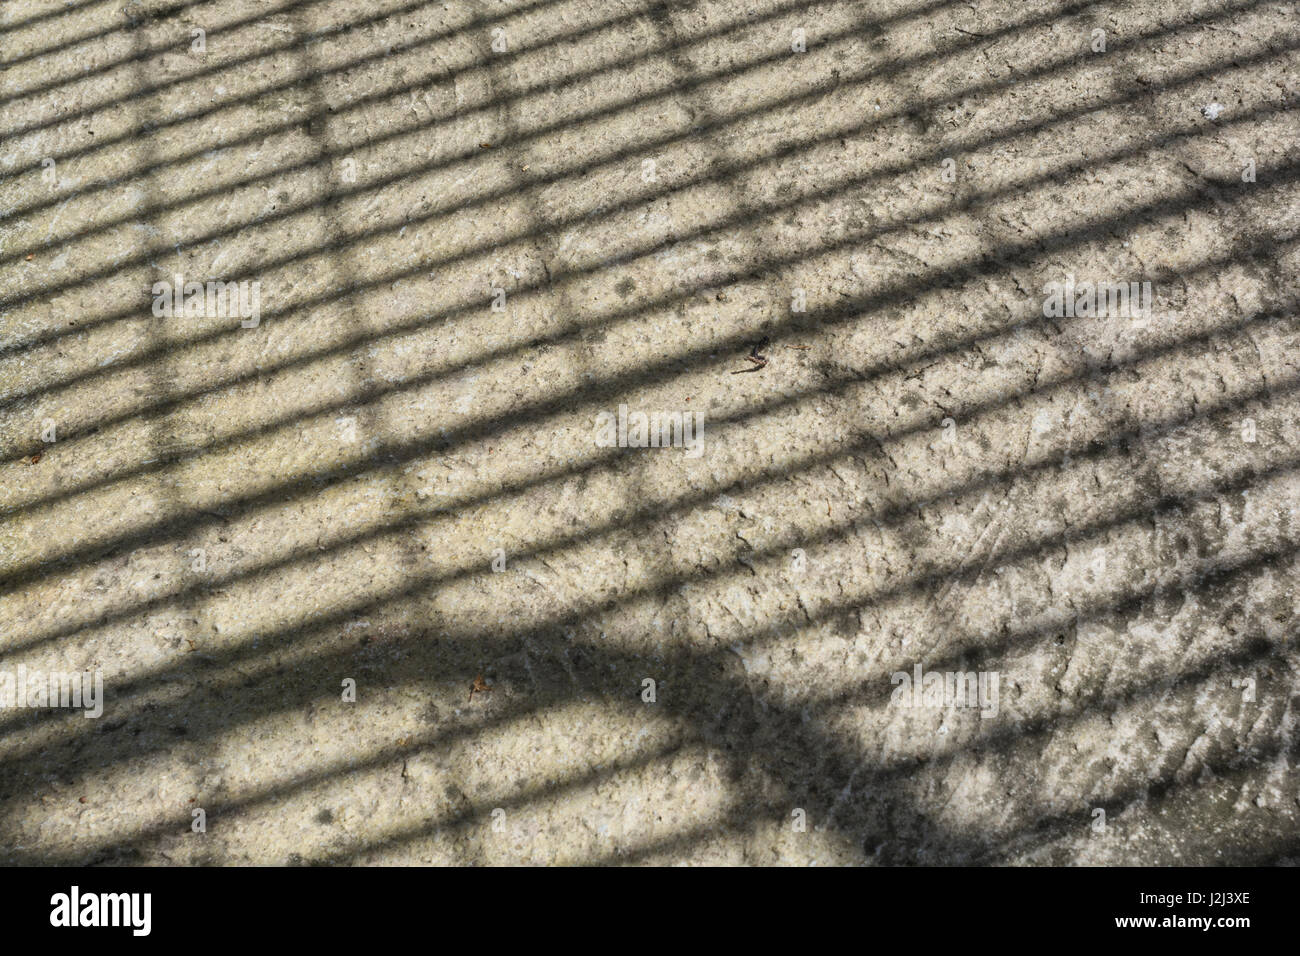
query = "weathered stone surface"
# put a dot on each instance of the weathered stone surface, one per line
(478, 225)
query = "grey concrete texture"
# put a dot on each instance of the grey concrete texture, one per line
(477, 225)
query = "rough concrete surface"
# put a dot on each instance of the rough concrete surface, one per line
(475, 226)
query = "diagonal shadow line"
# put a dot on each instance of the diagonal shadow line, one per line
(668, 51)
(1043, 725)
(573, 79)
(545, 251)
(537, 182)
(176, 11)
(305, 782)
(330, 156)
(144, 52)
(629, 102)
(960, 849)
(338, 661)
(974, 649)
(557, 337)
(656, 553)
(503, 82)
(699, 708)
(1055, 826)
(893, 775)
(1159, 685)
(893, 365)
(393, 757)
(405, 451)
(70, 7)
(864, 440)
(357, 103)
(163, 493)
(295, 46)
(737, 687)
(705, 704)
(817, 92)
(376, 420)
(433, 377)
(1075, 453)
(652, 513)
(1164, 687)
(793, 725)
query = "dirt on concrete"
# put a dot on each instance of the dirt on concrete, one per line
(366, 583)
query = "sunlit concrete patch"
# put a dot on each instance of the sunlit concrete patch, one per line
(945, 572)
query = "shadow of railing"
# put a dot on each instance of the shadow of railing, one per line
(784, 743)
(603, 112)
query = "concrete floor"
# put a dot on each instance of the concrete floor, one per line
(477, 225)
